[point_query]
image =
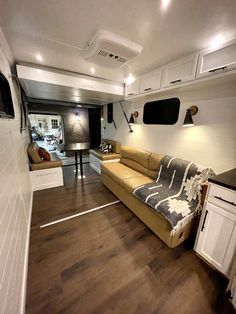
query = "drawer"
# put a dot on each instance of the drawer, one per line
(222, 197)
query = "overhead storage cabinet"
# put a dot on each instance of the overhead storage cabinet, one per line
(150, 81)
(132, 89)
(212, 61)
(180, 71)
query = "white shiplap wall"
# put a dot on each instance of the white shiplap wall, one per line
(211, 142)
(15, 202)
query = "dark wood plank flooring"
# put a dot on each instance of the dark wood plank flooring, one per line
(109, 261)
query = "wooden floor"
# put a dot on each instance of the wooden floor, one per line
(109, 262)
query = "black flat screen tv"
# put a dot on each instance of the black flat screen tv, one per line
(164, 111)
(6, 104)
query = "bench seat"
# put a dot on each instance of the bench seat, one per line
(44, 174)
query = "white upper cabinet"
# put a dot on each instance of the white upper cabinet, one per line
(132, 89)
(180, 71)
(150, 81)
(212, 61)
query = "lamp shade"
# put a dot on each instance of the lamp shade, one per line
(188, 120)
(131, 120)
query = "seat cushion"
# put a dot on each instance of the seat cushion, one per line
(33, 153)
(46, 164)
(131, 184)
(127, 177)
(97, 153)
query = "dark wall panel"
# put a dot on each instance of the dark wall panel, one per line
(95, 127)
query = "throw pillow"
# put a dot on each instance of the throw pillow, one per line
(34, 153)
(44, 154)
(105, 148)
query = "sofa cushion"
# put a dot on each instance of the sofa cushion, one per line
(153, 164)
(119, 172)
(33, 153)
(130, 184)
(135, 158)
(101, 156)
(125, 176)
(46, 164)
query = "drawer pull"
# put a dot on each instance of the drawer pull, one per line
(130, 94)
(204, 220)
(146, 89)
(176, 81)
(222, 199)
(217, 69)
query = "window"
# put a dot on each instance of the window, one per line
(164, 111)
(54, 123)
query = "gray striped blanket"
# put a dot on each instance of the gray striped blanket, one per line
(176, 194)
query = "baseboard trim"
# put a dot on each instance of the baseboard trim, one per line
(25, 270)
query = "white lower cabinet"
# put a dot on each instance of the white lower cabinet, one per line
(216, 240)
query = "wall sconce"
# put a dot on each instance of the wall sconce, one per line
(133, 117)
(77, 117)
(188, 120)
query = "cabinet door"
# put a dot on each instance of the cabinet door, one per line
(217, 237)
(181, 71)
(214, 61)
(150, 81)
(132, 89)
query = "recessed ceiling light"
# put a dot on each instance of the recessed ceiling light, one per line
(130, 79)
(92, 70)
(39, 57)
(165, 4)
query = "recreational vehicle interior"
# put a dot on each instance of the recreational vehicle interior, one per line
(118, 156)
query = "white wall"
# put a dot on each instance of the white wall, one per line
(15, 203)
(211, 142)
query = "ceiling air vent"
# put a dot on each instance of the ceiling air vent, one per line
(111, 50)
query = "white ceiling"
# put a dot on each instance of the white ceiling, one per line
(60, 29)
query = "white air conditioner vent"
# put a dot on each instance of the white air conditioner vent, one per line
(111, 50)
(103, 53)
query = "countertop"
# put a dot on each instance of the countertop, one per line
(226, 179)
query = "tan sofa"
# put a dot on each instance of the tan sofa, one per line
(96, 158)
(138, 167)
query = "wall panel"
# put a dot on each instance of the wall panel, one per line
(15, 202)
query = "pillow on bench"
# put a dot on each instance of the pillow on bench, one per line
(44, 154)
(34, 153)
(105, 148)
